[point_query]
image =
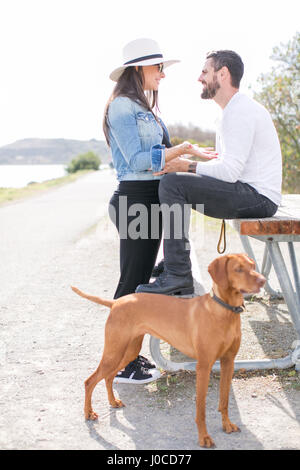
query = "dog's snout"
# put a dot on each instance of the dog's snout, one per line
(260, 280)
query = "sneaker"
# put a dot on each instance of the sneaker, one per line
(134, 373)
(144, 362)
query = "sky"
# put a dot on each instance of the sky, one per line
(56, 57)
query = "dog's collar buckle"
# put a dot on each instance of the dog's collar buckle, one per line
(239, 309)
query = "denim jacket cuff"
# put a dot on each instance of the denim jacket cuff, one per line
(157, 158)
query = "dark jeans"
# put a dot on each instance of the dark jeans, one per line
(137, 255)
(220, 199)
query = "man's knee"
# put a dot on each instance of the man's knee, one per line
(168, 185)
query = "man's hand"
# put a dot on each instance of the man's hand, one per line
(178, 164)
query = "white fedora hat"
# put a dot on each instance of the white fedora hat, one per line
(141, 52)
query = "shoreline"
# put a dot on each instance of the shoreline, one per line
(10, 195)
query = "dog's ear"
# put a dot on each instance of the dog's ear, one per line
(248, 257)
(218, 271)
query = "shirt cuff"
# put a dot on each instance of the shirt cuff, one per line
(198, 171)
(157, 158)
(201, 168)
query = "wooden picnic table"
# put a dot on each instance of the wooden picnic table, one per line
(282, 228)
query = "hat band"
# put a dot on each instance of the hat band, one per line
(153, 56)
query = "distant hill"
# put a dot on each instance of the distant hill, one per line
(50, 151)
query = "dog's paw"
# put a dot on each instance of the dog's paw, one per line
(117, 404)
(206, 441)
(91, 416)
(229, 427)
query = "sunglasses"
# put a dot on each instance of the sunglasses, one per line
(160, 67)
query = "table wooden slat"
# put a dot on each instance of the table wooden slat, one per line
(286, 221)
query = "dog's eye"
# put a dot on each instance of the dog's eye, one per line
(239, 269)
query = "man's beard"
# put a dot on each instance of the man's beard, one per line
(211, 89)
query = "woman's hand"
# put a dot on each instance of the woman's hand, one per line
(206, 153)
(186, 148)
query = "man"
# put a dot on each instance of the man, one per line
(243, 182)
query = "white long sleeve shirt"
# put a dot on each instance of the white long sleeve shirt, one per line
(248, 147)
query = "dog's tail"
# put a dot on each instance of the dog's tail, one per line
(98, 300)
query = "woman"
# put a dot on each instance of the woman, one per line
(140, 146)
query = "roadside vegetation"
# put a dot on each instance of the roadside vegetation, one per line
(85, 161)
(279, 91)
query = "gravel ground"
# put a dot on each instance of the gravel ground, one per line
(51, 341)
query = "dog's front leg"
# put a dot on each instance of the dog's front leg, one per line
(227, 368)
(202, 380)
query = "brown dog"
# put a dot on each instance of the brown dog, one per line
(200, 327)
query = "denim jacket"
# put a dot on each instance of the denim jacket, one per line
(135, 140)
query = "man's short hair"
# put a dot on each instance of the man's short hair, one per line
(232, 61)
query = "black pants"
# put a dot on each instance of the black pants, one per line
(134, 209)
(220, 199)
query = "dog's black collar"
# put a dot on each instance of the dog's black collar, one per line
(229, 307)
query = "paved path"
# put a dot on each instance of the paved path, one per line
(35, 230)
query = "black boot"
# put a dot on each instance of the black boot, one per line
(158, 269)
(168, 284)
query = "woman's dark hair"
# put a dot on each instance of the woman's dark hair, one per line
(232, 61)
(131, 84)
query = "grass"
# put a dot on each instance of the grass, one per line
(12, 194)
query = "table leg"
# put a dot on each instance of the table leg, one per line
(295, 270)
(266, 264)
(285, 283)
